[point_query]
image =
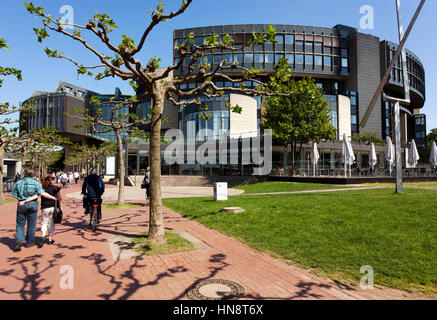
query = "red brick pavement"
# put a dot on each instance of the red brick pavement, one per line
(37, 273)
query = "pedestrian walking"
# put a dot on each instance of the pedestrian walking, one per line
(47, 210)
(70, 178)
(64, 179)
(146, 183)
(76, 176)
(27, 191)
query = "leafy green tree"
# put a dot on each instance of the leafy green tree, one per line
(122, 121)
(8, 129)
(299, 118)
(159, 83)
(367, 138)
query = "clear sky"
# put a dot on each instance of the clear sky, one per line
(42, 73)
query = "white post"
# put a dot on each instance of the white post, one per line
(399, 188)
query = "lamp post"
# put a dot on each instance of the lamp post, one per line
(397, 102)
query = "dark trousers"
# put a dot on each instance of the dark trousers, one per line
(92, 201)
(28, 212)
(147, 190)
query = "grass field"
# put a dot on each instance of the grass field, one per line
(265, 187)
(335, 234)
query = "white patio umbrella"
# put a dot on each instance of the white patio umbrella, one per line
(390, 154)
(315, 156)
(348, 155)
(433, 156)
(373, 159)
(413, 155)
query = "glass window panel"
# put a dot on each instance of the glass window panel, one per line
(318, 60)
(279, 56)
(344, 52)
(328, 61)
(289, 39)
(238, 58)
(309, 59)
(279, 39)
(218, 58)
(290, 58)
(299, 58)
(179, 42)
(228, 58)
(299, 42)
(344, 62)
(198, 41)
(259, 58)
(248, 58)
(270, 58)
(328, 50)
(308, 46)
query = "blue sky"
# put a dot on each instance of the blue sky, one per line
(42, 73)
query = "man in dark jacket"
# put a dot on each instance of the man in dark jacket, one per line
(93, 188)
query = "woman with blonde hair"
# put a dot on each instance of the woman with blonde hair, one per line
(47, 210)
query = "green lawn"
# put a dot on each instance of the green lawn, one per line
(264, 187)
(336, 233)
(175, 243)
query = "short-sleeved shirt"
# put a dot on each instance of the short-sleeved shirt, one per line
(26, 188)
(53, 191)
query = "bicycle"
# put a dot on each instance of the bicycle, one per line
(93, 204)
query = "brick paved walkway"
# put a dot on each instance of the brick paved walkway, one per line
(37, 273)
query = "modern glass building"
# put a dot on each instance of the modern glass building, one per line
(346, 64)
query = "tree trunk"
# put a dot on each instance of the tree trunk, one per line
(156, 221)
(120, 168)
(293, 151)
(2, 156)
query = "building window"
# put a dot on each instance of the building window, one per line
(228, 58)
(270, 58)
(290, 58)
(259, 58)
(318, 61)
(248, 58)
(328, 62)
(299, 58)
(238, 58)
(309, 60)
(279, 39)
(289, 39)
(279, 56)
(344, 62)
(309, 47)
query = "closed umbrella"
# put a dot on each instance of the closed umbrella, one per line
(315, 156)
(372, 158)
(390, 154)
(413, 156)
(348, 155)
(433, 156)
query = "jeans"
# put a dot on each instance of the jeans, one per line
(28, 212)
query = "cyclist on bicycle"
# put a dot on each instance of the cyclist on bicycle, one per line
(93, 188)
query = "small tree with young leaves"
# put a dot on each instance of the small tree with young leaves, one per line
(122, 120)
(9, 131)
(159, 84)
(299, 118)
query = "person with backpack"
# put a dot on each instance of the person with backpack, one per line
(146, 184)
(64, 179)
(48, 209)
(27, 191)
(93, 188)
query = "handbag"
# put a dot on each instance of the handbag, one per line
(57, 214)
